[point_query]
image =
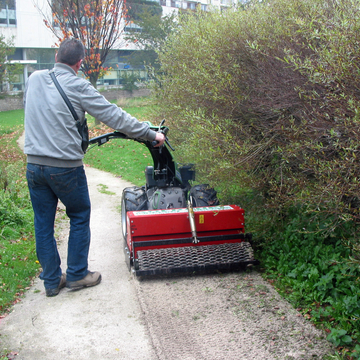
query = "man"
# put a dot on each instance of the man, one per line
(55, 168)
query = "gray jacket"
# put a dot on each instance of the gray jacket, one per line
(51, 136)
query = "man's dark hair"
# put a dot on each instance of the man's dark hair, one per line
(70, 51)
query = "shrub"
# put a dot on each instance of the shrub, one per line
(129, 82)
(270, 92)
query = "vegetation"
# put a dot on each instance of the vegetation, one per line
(316, 274)
(152, 32)
(11, 120)
(8, 71)
(129, 83)
(18, 262)
(264, 96)
(270, 92)
(117, 155)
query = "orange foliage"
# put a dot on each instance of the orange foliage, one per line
(97, 24)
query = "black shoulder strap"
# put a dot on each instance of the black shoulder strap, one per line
(61, 91)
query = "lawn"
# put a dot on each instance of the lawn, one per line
(11, 120)
(124, 158)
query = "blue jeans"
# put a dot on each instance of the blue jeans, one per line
(47, 185)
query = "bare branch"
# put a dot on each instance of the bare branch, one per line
(97, 24)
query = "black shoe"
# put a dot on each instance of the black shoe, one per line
(91, 279)
(54, 292)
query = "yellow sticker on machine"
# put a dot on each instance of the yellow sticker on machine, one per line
(201, 219)
(182, 210)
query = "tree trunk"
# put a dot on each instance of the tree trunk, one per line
(93, 79)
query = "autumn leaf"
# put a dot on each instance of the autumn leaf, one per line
(90, 25)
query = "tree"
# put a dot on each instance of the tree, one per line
(98, 24)
(153, 30)
(8, 70)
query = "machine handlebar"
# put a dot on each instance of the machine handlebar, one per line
(102, 139)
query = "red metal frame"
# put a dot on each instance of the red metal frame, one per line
(157, 229)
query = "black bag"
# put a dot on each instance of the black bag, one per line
(84, 133)
(81, 126)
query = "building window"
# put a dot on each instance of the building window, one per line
(7, 13)
(131, 27)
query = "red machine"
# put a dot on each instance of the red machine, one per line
(172, 226)
(167, 241)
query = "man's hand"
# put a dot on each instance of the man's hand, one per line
(160, 138)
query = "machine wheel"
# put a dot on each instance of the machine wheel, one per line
(133, 199)
(203, 195)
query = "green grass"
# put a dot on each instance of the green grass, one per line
(124, 158)
(11, 120)
(18, 262)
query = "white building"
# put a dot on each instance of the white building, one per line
(22, 21)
